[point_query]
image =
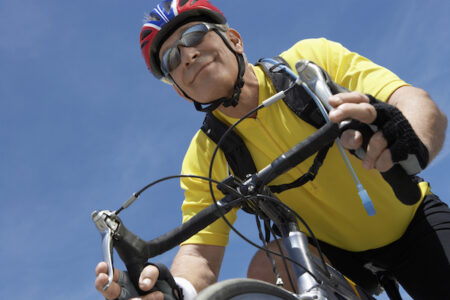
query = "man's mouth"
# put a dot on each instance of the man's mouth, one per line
(200, 69)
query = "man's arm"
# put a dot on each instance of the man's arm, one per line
(426, 119)
(199, 264)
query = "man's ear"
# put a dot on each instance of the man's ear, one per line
(179, 92)
(235, 40)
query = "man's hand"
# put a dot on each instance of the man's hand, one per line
(391, 137)
(356, 106)
(147, 280)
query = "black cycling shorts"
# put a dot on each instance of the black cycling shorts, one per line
(419, 260)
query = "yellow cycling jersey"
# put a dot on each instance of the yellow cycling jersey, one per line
(330, 204)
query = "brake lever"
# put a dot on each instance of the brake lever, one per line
(107, 223)
(132, 250)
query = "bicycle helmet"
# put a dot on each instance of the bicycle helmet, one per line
(164, 19)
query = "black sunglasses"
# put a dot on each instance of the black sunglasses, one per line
(189, 38)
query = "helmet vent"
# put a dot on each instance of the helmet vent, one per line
(183, 2)
(143, 44)
(166, 6)
(154, 17)
(145, 33)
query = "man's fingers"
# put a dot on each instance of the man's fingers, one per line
(363, 112)
(353, 97)
(351, 139)
(356, 106)
(101, 272)
(384, 161)
(113, 290)
(375, 148)
(102, 267)
(351, 106)
(148, 277)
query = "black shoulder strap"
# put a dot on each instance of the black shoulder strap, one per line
(234, 148)
(297, 99)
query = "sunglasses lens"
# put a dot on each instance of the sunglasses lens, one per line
(173, 59)
(165, 62)
(192, 38)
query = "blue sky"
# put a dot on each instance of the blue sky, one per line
(84, 125)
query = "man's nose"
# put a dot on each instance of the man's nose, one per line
(188, 55)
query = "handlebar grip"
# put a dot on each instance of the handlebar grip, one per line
(403, 185)
(132, 251)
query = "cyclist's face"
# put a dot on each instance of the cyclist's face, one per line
(205, 68)
(192, 36)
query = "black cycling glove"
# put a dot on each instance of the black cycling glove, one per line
(127, 289)
(165, 283)
(405, 146)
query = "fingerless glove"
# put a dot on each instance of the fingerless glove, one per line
(405, 146)
(166, 284)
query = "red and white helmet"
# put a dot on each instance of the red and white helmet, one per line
(165, 18)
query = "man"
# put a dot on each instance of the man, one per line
(189, 45)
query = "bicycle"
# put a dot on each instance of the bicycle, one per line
(314, 278)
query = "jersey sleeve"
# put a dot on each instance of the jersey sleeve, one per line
(349, 69)
(197, 193)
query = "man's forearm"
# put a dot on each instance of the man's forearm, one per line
(427, 120)
(199, 264)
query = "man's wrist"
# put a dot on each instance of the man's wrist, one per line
(189, 291)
